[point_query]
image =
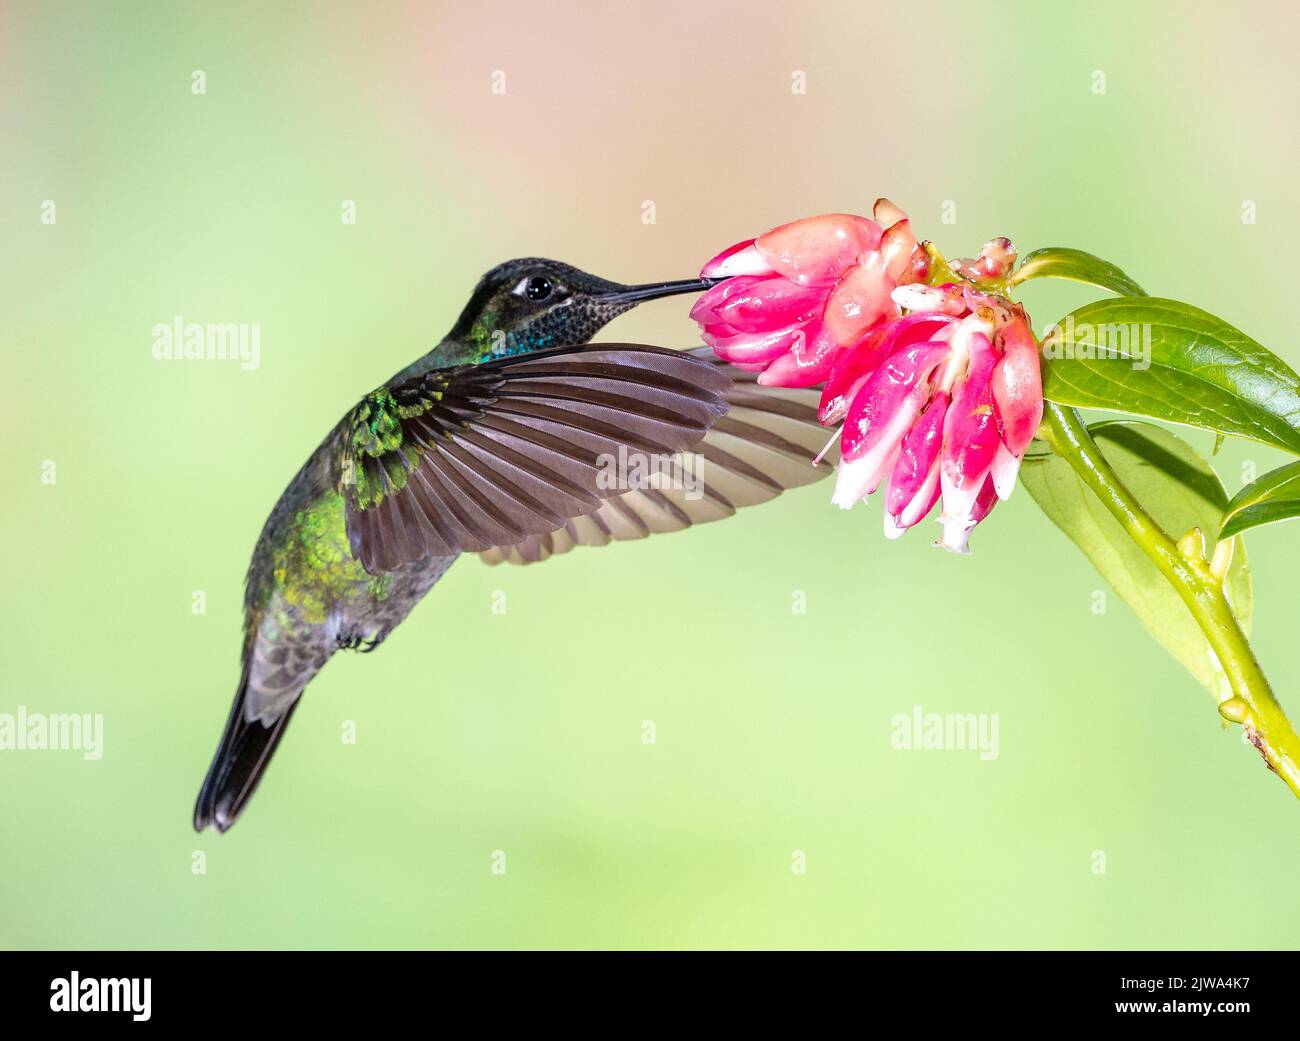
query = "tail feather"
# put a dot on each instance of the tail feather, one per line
(242, 757)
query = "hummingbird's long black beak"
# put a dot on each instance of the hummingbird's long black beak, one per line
(654, 290)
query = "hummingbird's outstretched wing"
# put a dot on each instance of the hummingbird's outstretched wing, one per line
(476, 456)
(764, 444)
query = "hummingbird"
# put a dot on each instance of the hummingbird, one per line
(499, 442)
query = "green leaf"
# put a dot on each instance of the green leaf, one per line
(1274, 497)
(1180, 491)
(1077, 266)
(1172, 361)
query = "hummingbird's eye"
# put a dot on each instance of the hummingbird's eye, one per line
(536, 289)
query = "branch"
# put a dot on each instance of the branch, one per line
(1200, 585)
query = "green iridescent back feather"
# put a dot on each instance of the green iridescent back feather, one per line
(378, 457)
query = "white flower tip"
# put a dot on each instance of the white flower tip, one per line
(922, 502)
(1005, 468)
(917, 297)
(892, 528)
(958, 511)
(956, 538)
(854, 479)
(847, 494)
(747, 261)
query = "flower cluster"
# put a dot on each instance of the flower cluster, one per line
(796, 298)
(932, 371)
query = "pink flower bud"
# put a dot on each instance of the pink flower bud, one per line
(706, 307)
(900, 384)
(818, 250)
(750, 349)
(914, 486)
(997, 258)
(766, 303)
(970, 443)
(1018, 385)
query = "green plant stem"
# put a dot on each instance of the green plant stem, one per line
(1183, 564)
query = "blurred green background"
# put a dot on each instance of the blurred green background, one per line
(521, 731)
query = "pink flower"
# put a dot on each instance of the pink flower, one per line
(798, 296)
(946, 416)
(937, 386)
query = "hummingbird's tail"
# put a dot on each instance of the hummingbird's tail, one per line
(245, 750)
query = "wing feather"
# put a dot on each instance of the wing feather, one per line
(510, 452)
(764, 444)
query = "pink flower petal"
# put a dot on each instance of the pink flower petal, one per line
(975, 330)
(787, 372)
(985, 501)
(852, 369)
(770, 303)
(970, 429)
(978, 505)
(857, 363)
(918, 461)
(706, 307)
(755, 348)
(815, 346)
(715, 331)
(917, 508)
(809, 361)
(898, 388)
(817, 250)
(1005, 468)
(1018, 385)
(859, 300)
(970, 444)
(896, 247)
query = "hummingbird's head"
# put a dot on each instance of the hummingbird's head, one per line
(532, 304)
